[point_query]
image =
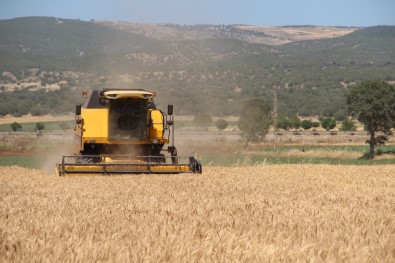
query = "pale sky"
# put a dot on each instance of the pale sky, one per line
(253, 12)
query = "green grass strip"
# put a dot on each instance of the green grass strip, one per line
(23, 161)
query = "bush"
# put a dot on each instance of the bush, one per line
(328, 123)
(348, 125)
(221, 124)
(306, 124)
(295, 122)
(316, 124)
(40, 126)
(16, 126)
(284, 123)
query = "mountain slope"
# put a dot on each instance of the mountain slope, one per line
(63, 44)
(208, 67)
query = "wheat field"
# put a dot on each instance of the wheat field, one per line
(266, 213)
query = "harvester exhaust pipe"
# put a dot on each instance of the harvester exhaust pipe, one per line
(170, 110)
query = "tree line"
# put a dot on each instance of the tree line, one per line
(37, 103)
(372, 103)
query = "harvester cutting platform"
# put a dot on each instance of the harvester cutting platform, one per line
(122, 132)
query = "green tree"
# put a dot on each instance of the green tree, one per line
(316, 124)
(373, 103)
(328, 123)
(284, 123)
(40, 126)
(306, 124)
(221, 124)
(16, 126)
(348, 125)
(255, 119)
(202, 120)
(295, 122)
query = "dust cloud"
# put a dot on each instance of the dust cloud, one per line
(56, 147)
(198, 143)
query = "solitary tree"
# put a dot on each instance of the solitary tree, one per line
(255, 119)
(40, 126)
(373, 102)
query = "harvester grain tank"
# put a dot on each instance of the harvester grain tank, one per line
(122, 132)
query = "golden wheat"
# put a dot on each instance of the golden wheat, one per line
(266, 213)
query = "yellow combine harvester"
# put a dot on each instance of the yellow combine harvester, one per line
(122, 132)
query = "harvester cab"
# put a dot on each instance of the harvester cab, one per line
(122, 132)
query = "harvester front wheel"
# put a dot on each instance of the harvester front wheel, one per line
(58, 169)
(196, 165)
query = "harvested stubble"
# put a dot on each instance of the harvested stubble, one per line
(291, 213)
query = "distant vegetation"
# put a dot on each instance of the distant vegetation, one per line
(32, 126)
(46, 62)
(22, 102)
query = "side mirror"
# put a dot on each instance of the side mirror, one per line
(78, 109)
(169, 110)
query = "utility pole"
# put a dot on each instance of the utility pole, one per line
(276, 87)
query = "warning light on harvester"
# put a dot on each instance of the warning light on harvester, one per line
(84, 93)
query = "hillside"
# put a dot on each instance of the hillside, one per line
(47, 61)
(251, 34)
